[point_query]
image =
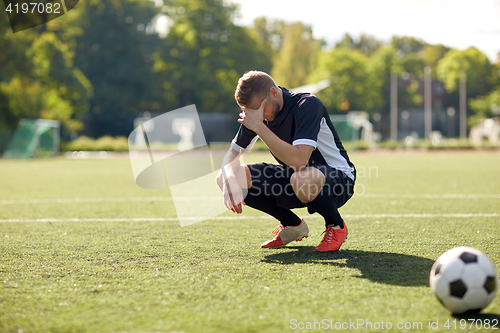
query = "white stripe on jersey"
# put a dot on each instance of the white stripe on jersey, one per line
(330, 151)
(307, 142)
(239, 149)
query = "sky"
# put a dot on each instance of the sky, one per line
(454, 23)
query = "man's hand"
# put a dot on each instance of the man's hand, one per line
(252, 118)
(233, 195)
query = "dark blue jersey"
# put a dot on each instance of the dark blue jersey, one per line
(303, 120)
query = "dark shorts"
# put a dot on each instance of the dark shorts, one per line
(274, 180)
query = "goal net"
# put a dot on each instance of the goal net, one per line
(34, 138)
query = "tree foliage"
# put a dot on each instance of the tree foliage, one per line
(382, 64)
(432, 54)
(203, 56)
(353, 85)
(365, 44)
(297, 55)
(473, 63)
(115, 54)
(407, 44)
(268, 35)
(39, 79)
(488, 105)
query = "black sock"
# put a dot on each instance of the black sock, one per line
(268, 204)
(324, 205)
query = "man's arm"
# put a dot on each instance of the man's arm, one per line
(295, 157)
(231, 163)
(233, 180)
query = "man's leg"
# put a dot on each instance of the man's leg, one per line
(310, 187)
(318, 190)
(292, 228)
(270, 192)
(257, 196)
(268, 205)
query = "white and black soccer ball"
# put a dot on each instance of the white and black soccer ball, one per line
(464, 280)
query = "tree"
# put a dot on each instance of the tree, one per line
(12, 62)
(473, 63)
(291, 47)
(114, 51)
(488, 105)
(13, 48)
(203, 56)
(68, 91)
(365, 44)
(353, 86)
(54, 88)
(432, 54)
(297, 56)
(267, 35)
(38, 79)
(485, 106)
(407, 44)
(347, 42)
(413, 63)
(382, 64)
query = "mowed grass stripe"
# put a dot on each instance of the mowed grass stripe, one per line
(242, 218)
(140, 275)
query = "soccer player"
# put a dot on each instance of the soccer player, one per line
(314, 170)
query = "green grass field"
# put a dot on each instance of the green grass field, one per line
(94, 266)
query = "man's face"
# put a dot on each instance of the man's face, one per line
(271, 107)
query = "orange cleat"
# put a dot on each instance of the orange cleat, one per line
(284, 235)
(333, 239)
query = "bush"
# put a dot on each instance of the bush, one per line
(452, 144)
(105, 143)
(390, 144)
(120, 143)
(425, 144)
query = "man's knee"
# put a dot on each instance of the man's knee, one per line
(307, 183)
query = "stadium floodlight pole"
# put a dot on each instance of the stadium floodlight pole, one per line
(394, 106)
(463, 105)
(427, 101)
(451, 114)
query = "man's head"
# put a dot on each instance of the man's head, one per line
(253, 88)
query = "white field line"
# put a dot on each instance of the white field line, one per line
(431, 196)
(148, 199)
(86, 200)
(243, 217)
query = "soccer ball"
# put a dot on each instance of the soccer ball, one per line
(464, 280)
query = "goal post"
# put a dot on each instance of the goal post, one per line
(34, 138)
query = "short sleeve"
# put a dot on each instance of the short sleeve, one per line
(244, 140)
(308, 122)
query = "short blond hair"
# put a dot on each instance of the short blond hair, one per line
(251, 84)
